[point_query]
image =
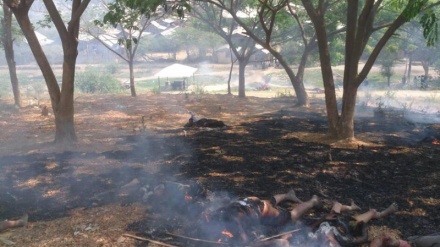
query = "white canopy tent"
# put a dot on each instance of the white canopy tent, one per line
(176, 71)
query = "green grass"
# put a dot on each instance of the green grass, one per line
(208, 79)
(32, 81)
(148, 84)
(313, 78)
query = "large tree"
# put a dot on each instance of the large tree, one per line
(132, 17)
(360, 25)
(7, 41)
(61, 98)
(195, 39)
(130, 22)
(387, 60)
(272, 26)
(427, 56)
(241, 46)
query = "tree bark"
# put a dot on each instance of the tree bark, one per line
(230, 73)
(131, 69)
(298, 86)
(331, 101)
(62, 104)
(359, 29)
(404, 77)
(49, 76)
(317, 18)
(61, 100)
(425, 66)
(409, 68)
(346, 121)
(64, 112)
(241, 77)
(8, 45)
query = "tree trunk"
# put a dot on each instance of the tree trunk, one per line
(64, 112)
(40, 57)
(352, 51)
(404, 78)
(409, 68)
(327, 77)
(64, 125)
(346, 121)
(300, 91)
(131, 68)
(298, 86)
(425, 66)
(358, 31)
(8, 45)
(61, 100)
(241, 78)
(230, 74)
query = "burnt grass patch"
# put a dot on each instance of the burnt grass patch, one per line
(258, 158)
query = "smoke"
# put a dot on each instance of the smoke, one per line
(415, 106)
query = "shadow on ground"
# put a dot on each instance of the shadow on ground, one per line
(256, 158)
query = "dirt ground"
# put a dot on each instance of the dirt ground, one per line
(92, 193)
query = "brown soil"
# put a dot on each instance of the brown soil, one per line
(89, 194)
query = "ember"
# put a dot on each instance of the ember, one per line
(436, 142)
(226, 236)
(188, 197)
(227, 233)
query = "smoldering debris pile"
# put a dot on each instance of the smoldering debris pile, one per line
(190, 215)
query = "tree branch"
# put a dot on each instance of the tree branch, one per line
(300, 25)
(56, 19)
(400, 20)
(78, 12)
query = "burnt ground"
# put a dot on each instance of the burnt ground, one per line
(90, 194)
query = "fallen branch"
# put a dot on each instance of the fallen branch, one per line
(196, 239)
(180, 185)
(148, 240)
(278, 235)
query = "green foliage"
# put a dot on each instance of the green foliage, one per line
(437, 66)
(94, 81)
(195, 41)
(17, 34)
(415, 7)
(147, 7)
(111, 68)
(432, 98)
(286, 93)
(45, 22)
(429, 22)
(337, 49)
(197, 89)
(149, 84)
(386, 69)
(155, 90)
(387, 60)
(157, 44)
(131, 11)
(291, 51)
(132, 19)
(411, 7)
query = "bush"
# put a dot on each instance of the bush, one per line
(286, 93)
(155, 90)
(93, 81)
(111, 68)
(197, 89)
